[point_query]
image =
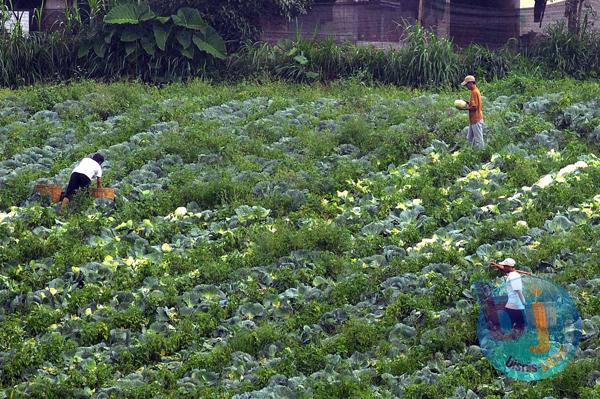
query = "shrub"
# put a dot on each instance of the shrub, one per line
(361, 336)
(424, 60)
(481, 61)
(133, 39)
(253, 341)
(237, 21)
(429, 60)
(356, 131)
(568, 53)
(25, 60)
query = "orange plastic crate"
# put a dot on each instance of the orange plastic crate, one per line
(52, 190)
(105, 192)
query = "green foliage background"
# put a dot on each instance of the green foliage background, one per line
(425, 60)
(237, 21)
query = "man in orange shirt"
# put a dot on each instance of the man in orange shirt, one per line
(475, 107)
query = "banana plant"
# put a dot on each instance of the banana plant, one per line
(137, 30)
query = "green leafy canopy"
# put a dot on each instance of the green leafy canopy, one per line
(134, 30)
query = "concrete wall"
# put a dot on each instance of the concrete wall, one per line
(22, 18)
(490, 23)
(487, 22)
(356, 22)
(554, 12)
(382, 21)
(54, 14)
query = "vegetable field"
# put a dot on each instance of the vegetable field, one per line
(289, 241)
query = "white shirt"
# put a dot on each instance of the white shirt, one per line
(89, 167)
(513, 284)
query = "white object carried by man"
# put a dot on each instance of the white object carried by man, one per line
(460, 104)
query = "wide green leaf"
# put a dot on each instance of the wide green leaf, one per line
(148, 15)
(161, 34)
(301, 59)
(130, 48)
(251, 310)
(129, 36)
(122, 14)
(211, 42)
(189, 18)
(149, 47)
(129, 13)
(100, 49)
(188, 52)
(184, 38)
(84, 49)
(109, 35)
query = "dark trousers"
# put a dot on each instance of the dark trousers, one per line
(517, 318)
(77, 181)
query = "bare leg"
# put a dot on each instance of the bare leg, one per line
(63, 205)
(516, 332)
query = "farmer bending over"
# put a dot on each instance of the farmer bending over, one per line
(82, 175)
(475, 107)
(515, 306)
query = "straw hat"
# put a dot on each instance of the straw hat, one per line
(510, 262)
(468, 78)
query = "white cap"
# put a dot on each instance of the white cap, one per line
(468, 78)
(508, 262)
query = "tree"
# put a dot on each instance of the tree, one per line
(236, 20)
(573, 13)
